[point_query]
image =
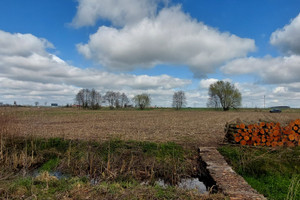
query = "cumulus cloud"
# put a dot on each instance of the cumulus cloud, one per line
(205, 83)
(279, 75)
(28, 70)
(287, 39)
(22, 44)
(29, 73)
(278, 70)
(119, 12)
(172, 37)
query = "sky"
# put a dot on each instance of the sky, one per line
(50, 49)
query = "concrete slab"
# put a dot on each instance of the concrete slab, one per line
(226, 180)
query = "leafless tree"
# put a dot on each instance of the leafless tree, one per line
(118, 100)
(86, 93)
(179, 100)
(213, 102)
(124, 101)
(80, 98)
(113, 99)
(88, 98)
(142, 100)
(36, 103)
(95, 99)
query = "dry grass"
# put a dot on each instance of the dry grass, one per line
(186, 127)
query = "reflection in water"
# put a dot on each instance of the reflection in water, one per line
(193, 183)
(57, 174)
(188, 183)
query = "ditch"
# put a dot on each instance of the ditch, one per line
(164, 170)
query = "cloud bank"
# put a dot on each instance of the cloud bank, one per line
(171, 38)
(271, 70)
(29, 71)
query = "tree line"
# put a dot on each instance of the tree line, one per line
(222, 94)
(92, 99)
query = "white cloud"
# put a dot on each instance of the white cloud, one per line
(28, 71)
(255, 95)
(172, 37)
(279, 75)
(119, 12)
(22, 44)
(271, 70)
(280, 90)
(287, 39)
(205, 83)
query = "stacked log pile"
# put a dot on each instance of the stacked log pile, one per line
(264, 134)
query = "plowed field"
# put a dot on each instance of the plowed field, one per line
(186, 127)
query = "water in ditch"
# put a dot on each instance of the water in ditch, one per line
(188, 184)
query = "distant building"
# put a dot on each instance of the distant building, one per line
(54, 104)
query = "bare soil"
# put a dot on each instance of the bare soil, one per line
(185, 127)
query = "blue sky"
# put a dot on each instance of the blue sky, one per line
(49, 49)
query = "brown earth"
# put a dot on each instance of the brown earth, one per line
(198, 127)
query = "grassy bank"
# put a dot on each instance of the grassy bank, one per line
(272, 172)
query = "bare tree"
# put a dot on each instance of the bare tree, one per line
(179, 100)
(117, 100)
(213, 102)
(142, 100)
(124, 101)
(36, 103)
(83, 98)
(88, 98)
(80, 98)
(225, 94)
(112, 98)
(95, 99)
